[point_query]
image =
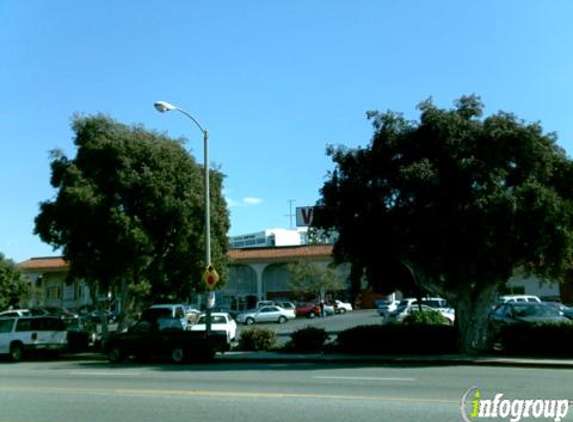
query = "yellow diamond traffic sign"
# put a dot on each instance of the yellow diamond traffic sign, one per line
(210, 277)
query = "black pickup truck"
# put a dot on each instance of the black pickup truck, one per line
(147, 339)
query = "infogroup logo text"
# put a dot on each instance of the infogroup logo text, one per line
(474, 407)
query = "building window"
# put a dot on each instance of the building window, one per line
(53, 292)
(69, 292)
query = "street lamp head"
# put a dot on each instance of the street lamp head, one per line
(164, 106)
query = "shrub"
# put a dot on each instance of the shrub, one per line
(308, 339)
(398, 339)
(255, 338)
(426, 318)
(541, 339)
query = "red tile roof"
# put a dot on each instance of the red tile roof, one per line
(45, 263)
(277, 254)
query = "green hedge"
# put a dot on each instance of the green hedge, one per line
(398, 339)
(426, 318)
(255, 339)
(540, 339)
(308, 339)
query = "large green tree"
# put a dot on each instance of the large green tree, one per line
(309, 279)
(129, 212)
(12, 286)
(455, 203)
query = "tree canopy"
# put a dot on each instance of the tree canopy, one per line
(308, 279)
(12, 286)
(129, 209)
(456, 201)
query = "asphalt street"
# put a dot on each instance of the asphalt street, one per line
(91, 390)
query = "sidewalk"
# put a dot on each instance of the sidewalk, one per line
(457, 359)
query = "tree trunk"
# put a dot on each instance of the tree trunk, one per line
(472, 317)
(124, 306)
(356, 273)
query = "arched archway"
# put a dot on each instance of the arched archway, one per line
(276, 280)
(241, 289)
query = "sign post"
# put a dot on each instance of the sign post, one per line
(210, 278)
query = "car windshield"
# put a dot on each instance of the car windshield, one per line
(6, 325)
(535, 310)
(215, 319)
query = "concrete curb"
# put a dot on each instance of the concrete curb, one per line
(433, 360)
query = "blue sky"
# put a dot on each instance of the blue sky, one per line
(274, 82)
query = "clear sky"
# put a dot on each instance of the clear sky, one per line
(273, 81)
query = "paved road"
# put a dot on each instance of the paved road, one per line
(94, 391)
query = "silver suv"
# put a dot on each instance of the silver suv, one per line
(19, 335)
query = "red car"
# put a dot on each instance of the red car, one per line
(307, 309)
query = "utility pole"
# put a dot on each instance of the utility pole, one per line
(290, 213)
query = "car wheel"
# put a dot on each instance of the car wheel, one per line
(115, 355)
(311, 315)
(342, 311)
(177, 354)
(16, 351)
(249, 321)
(282, 319)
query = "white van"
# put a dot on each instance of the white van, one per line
(24, 334)
(517, 298)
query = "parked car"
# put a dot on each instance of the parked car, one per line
(220, 321)
(385, 307)
(566, 310)
(434, 302)
(307, 309)
(21, 335)
(524, 313)
(56, 311)
(285, 304)
(517, 298)
(82, 333)
(402, 312)
(341, 307)
(271, 313)
(169, 311)
(437, 303)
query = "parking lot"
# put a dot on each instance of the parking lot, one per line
(332, 324)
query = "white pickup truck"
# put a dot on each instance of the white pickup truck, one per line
(19, 335)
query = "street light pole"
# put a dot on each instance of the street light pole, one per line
(164, 106)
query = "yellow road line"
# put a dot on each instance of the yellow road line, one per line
(220, 394)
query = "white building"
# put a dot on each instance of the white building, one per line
(532, 285)
(270, 238)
